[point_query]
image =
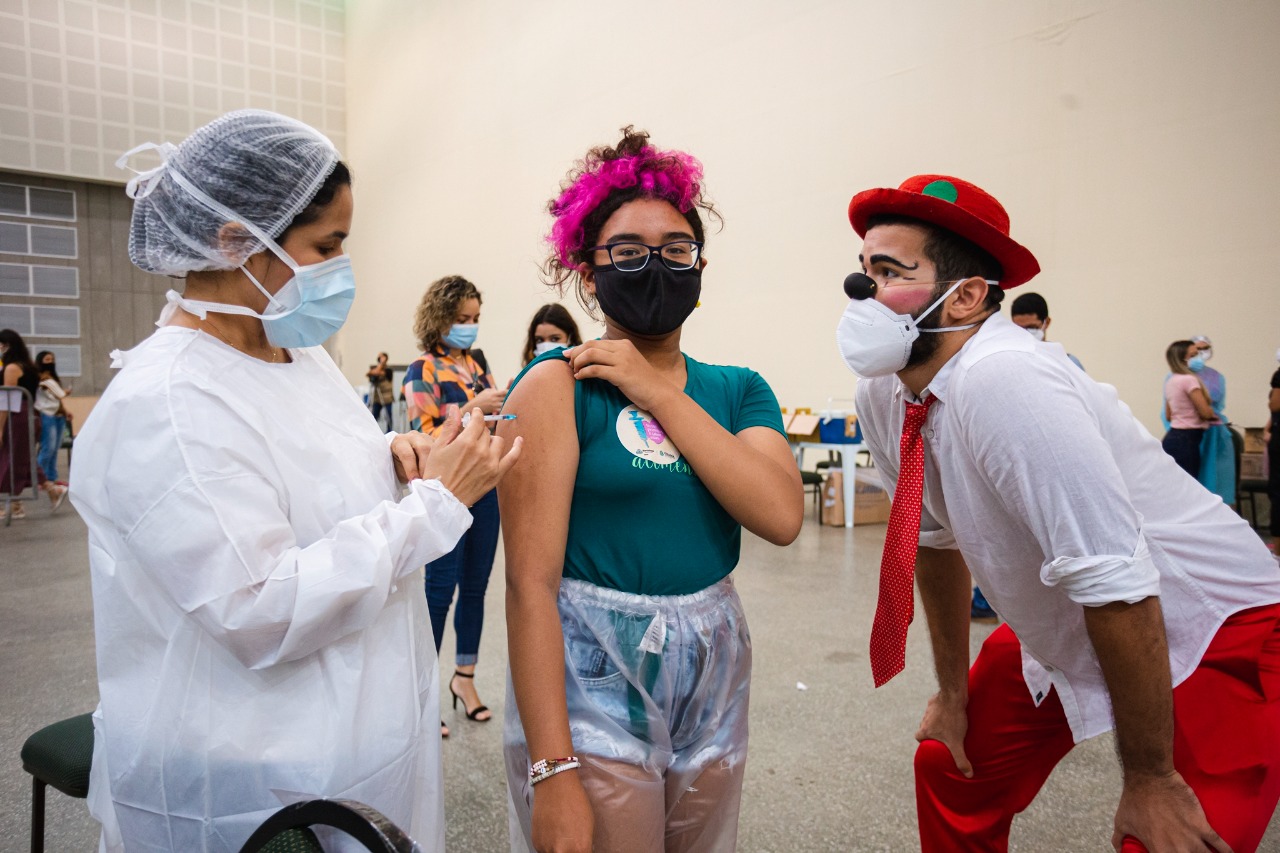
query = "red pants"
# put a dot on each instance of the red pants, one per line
(1226, 742)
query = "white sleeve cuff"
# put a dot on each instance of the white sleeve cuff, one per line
(1097, 580)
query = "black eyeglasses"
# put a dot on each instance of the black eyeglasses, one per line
(633, 257)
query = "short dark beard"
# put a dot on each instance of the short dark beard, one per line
(923, 348)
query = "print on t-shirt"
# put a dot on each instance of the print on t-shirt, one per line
(641, 434)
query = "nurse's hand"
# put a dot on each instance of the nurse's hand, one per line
(619, 363)
(473, 462)
(562, 819)
(410, 450)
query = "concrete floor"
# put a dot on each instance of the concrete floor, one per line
(830, 766)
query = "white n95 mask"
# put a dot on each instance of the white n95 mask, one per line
(544, 347)
(875, 341)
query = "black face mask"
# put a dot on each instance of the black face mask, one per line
(651, 302)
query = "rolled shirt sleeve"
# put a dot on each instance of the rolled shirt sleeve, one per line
(1050, 465)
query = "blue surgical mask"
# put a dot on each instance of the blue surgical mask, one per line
(1196, 363)
(306, 311)
(461, 335)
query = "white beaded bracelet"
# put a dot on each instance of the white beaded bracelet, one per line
(544, 770)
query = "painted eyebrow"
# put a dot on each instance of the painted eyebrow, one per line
(890, 259)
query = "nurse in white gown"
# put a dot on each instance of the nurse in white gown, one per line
(262, 636)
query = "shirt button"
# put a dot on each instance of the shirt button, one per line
(929, 432)
(1048, 668)
(395, 588)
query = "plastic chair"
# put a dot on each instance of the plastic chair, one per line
(288, 830)
(59, 755)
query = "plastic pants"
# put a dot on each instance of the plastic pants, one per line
(1013, 745)
(657, 690)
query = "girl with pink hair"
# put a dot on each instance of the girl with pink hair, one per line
(630, 658)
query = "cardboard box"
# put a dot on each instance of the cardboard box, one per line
(1253, 442)
(1253, 466)
(803, 427)
(870, 501)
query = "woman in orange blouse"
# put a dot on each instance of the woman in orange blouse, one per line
(446, 377)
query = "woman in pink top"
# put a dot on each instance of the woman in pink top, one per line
(1186, 406)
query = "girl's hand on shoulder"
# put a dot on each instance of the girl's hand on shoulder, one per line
(620, 364)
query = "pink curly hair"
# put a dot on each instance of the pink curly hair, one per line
(671, 175)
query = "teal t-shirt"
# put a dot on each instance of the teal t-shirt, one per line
(641, 521)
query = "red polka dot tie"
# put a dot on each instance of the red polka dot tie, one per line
(896, 605)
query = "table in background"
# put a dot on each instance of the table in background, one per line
(799, 447)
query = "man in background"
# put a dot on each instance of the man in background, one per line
(1031, 312)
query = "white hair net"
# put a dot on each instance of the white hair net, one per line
(255, 167)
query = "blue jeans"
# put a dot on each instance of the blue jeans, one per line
(1184, 446)
(379, 408)
(51, 427)
(466, 568)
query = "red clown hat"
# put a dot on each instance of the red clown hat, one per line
(959, 207)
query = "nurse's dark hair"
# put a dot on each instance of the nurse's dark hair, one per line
(557, 315)
(1176, 355)
(629, 170)
(338, 178)
(439, 307)
(16, 351)
(953, 257)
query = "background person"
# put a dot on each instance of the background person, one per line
(630, 657)
(447, 378)
(16, 476)
(382, 390)
(260, 631)
(1217, 450)
(1031, 312)
(1273, 451)
(552, 326)
(1186, 407)
(54, 418)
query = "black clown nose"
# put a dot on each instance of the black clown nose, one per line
(859, 286)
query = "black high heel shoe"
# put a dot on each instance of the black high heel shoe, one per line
(471, 715)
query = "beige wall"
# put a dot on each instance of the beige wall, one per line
(1134, 143)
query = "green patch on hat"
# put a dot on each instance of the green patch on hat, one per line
(944, 190)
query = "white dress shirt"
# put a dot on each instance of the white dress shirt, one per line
(1058, 499)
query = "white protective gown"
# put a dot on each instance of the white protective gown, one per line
(262, 632)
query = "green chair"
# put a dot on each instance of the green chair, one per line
(59, 755)
(813, 480)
